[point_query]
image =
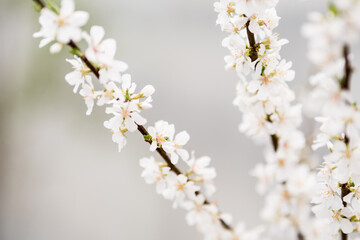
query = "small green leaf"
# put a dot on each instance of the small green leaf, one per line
(147, 138)
(76, 52)
(263, 70)
(127, 95)
(354, 219)
(341, 81)
(333, 9)
(53, 6)
(37, 6)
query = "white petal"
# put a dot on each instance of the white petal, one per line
(79, 18)
(45, 42)
(56, 48)
(182, 138)
(346, 226)
(254, 27)
(148, 90)
(183, 154)
(97, 34)
(67, 7)
(174, 158)
(108, 47)
(138, 118)
(153, 146)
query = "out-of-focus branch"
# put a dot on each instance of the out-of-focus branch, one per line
(345, 83)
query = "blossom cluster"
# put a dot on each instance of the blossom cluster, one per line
(265, 100)
(184, 191)
(337, 199)
(117, 92)
(338, 26)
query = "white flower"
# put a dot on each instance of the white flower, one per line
(80, 75)
(346, 157)
(162, 133)
(102, 52)
(265, 177)
(110, 92)
(175, 148)
(225, 8)
(284, 72)
(240, 56)
(339, 221)
(300, 181)
(63, 26)
(119, 138)
(328, 196)
(286, 118)
(98, 48)
(110, 70)
(254, 122)
(154, 172)
(127, 115)
(89, 94)
(197, 213)
(178, 188)
(330, 129)
(200, 166)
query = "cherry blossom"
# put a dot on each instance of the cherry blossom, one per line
(61, 26)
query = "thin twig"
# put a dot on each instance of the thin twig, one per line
(300, 236)
(161, 151)
(252, 42)
(344, 191)
(85, 60)
(345, 85)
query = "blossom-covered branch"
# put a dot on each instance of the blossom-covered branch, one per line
(117, 92)
(269, 116)
(330, 36)
(253, 54)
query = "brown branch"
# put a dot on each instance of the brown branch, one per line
(345, 83)
(344, 191)
(141, 128)
(252, 43)
(275, 142)
(160, 150)
(93, 69)
(300, 236)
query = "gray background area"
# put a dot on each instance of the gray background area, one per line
(61, 177)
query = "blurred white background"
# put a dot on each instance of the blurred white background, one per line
(61, 176)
